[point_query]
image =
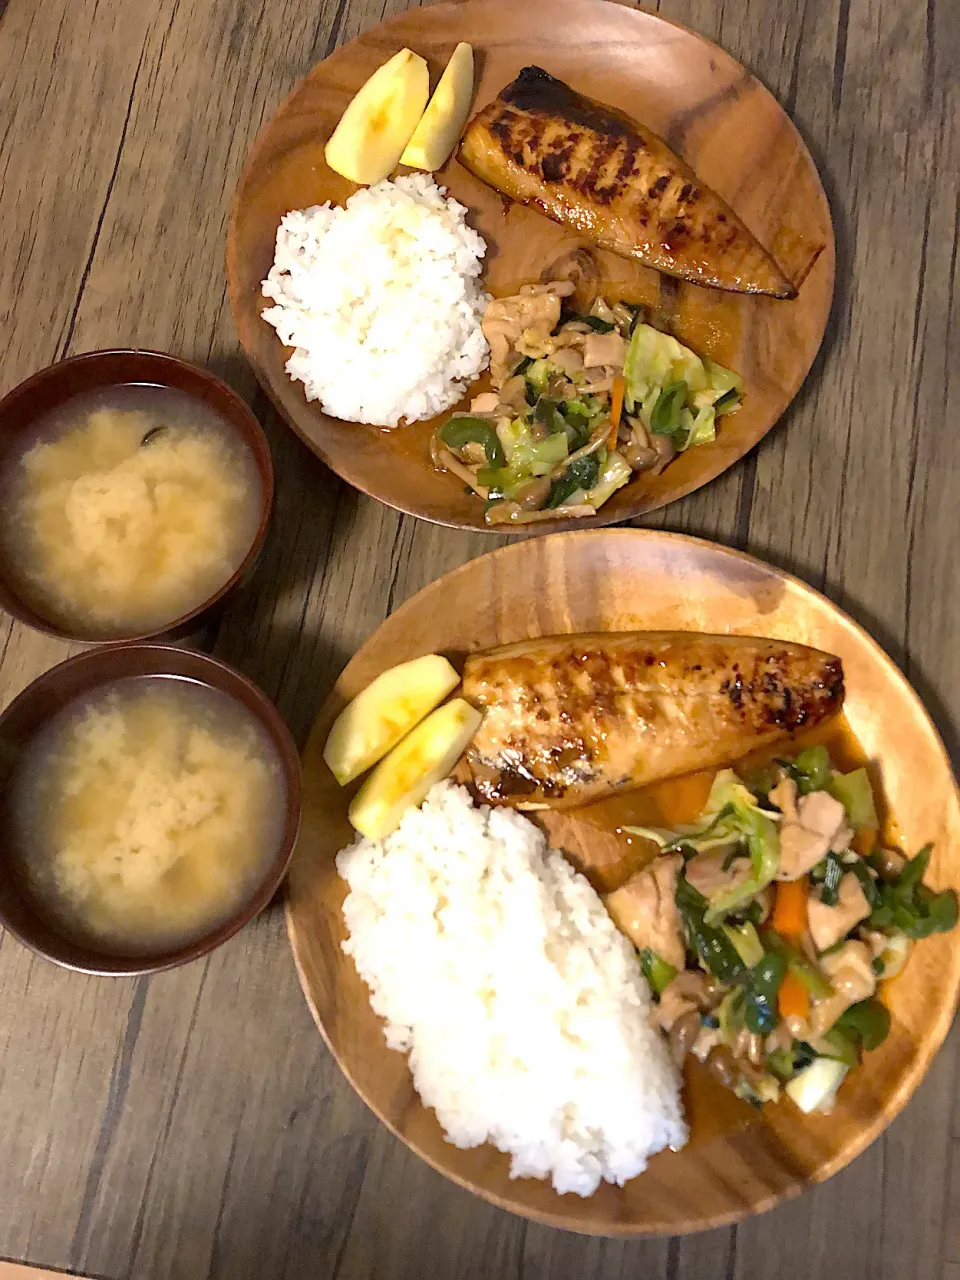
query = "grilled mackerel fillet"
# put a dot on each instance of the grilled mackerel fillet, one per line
(589, 168)
(569, 719)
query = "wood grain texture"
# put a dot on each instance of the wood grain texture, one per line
(698, 98)
(192, 1125)
(737, 1161)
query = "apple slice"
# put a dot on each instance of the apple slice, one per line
(425, 755)
(375, 721)
(442, 123)
(376, 126)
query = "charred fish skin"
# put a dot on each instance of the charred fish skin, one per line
(570, 719)
(588, 167)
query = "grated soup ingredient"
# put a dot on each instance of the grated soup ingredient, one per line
(129, 510)
(145, 815)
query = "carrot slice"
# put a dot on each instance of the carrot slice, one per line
(790, 908)
(793, 998)
(616, 409)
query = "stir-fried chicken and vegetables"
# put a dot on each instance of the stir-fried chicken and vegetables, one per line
(580, 404)
(764, 934)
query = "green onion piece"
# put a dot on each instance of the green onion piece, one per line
(744, 938)
(869, 1020)
(729, 402)
(832, 875)
(658, 973)
(871, 890)
(765, 980)
(717, 953)
(811, 770)
(914, 871)
(595, 323)
(466, 429)
(780, 1064)
(798, 964)
(665, 419)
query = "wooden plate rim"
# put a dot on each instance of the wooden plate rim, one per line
(934, 1038)
(640, 507)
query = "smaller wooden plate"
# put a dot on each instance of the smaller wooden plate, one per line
(738, 1161)
(702, 101)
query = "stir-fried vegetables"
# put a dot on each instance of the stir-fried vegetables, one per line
(782, 969)
(581, 403)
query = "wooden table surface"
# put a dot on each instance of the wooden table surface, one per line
(192, 1124)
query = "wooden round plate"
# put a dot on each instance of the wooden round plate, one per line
(738, 1161)
(707, 107)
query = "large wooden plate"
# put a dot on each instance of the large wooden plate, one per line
(738, 1161)
(707, 106)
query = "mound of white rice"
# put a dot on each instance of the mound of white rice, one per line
(381, 300)
(522, 1007)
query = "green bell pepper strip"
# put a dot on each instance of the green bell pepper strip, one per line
(869, 1020)
(843, 1046)
(765, 979)
(547, 412)
(717, 953)
(665, 419)
(581, 474)
(467, 429)
(811, 770)
(657, 971)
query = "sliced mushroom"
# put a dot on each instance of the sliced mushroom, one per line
(531, 495)
(665, 449)
(485, 402)
(683, 1033)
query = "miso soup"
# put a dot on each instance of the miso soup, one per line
(129, 508)
(146, 814)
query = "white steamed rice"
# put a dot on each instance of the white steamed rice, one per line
(523, 1009)
(381, 301)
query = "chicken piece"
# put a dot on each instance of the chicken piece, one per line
(828, 925)
(616, 182)
(821, 813)
(646, 911)
(850, 970)
(694, 985)
(485, 402)
(819, 826)
(604, 349)
(675, 1003)
(569, 719)
(568, 359)
(507, 321)
(705, 872)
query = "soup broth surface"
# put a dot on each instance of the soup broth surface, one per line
(129, 508)
(146, 814)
